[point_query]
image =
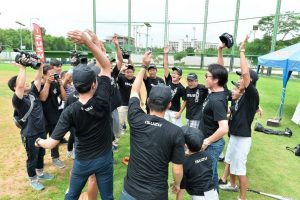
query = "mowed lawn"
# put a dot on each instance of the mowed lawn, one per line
(270, 168)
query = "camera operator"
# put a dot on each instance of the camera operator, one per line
(34, 126)
(52, 88)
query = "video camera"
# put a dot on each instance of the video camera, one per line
(78, 58)
(33, 63)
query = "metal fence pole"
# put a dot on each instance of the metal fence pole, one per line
(204, 34)
(236, 23)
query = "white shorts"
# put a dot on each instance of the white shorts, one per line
(170, 116)
(209, 195)
(236, 154)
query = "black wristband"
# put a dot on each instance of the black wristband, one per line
(37, 142)
(145, 67)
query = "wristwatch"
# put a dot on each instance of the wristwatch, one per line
(37, 142)
(145, 67)
(206, 142)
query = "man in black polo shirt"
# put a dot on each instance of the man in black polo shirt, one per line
(150, 81)
(154, 142)
(240, 125)
(195, 95)
(214, 124)
(178, 91)
(24, 97)
(52, 89)
(125, 80)
(91, 117)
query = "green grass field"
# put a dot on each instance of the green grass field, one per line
(271, 168)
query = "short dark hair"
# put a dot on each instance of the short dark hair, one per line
(46, 68)
(157, 105)
(84, 89)
(12, 83)
(219, 72)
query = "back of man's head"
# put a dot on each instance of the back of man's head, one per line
(84, 76)
(12, 83)
(193, 138)
(160, 97)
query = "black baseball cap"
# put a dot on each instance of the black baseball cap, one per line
(193, 138)
(178, 69)
(235, 84)
(55, 62)
(84, 75)
(152, 66)
(192, 76)
(129, 66)
(160, 94)
(227, 39)
(253, 75)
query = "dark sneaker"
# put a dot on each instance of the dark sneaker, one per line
(46, 176)
(221, 182)
(35, 184)
(57, 163)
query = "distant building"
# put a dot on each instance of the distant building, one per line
(123, 40)
(182, 45)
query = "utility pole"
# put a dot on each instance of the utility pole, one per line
(21, 42)
(148, 26)
(275, 31)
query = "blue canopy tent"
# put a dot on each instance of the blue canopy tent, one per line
(288, 59)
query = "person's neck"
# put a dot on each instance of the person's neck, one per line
(84, 98)
(175, 82)
(217, 89)
(157, 114)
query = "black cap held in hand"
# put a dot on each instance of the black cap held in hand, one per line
(227, 39)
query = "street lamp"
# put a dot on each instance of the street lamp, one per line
(31, 31)
(148, 26)
(21, 45)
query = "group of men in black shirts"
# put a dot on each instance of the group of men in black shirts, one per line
(154, 141)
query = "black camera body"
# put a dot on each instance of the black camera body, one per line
(126, 55)
(56, 76)
(78, 58)
(32, 59)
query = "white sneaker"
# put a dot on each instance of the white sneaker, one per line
(228, 187)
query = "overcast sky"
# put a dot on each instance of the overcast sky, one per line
(58, 17)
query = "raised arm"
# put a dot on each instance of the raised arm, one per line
(166, 61)
(20, 82)
(118, 51)
(243, 62)
(137, 84)
(220, 60)
(85, 37)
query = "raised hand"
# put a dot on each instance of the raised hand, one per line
(221, 46)
(147, 58)
(79, 37)
(115, 39)
(166, 49)
(94, 37)
(243, 44)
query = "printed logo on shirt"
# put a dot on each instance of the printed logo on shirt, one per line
(204, 103)
(113, 83)
(54, 91)
(153, 123)
(200, 160)
(87, 109)
(128, 84)
(173, 92)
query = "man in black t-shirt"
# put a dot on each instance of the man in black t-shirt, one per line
(90, 116)
(51, 90)
(214, 124)
(178, 91)
(197, 168)
(34, 126)
(125, 80)
(195, 95)
(154, 142)
(150, 81)
(240, 121)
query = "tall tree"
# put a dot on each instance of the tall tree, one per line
(289, 24)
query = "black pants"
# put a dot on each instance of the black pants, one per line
(54, 151)
(35, 155)
(71, 139)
